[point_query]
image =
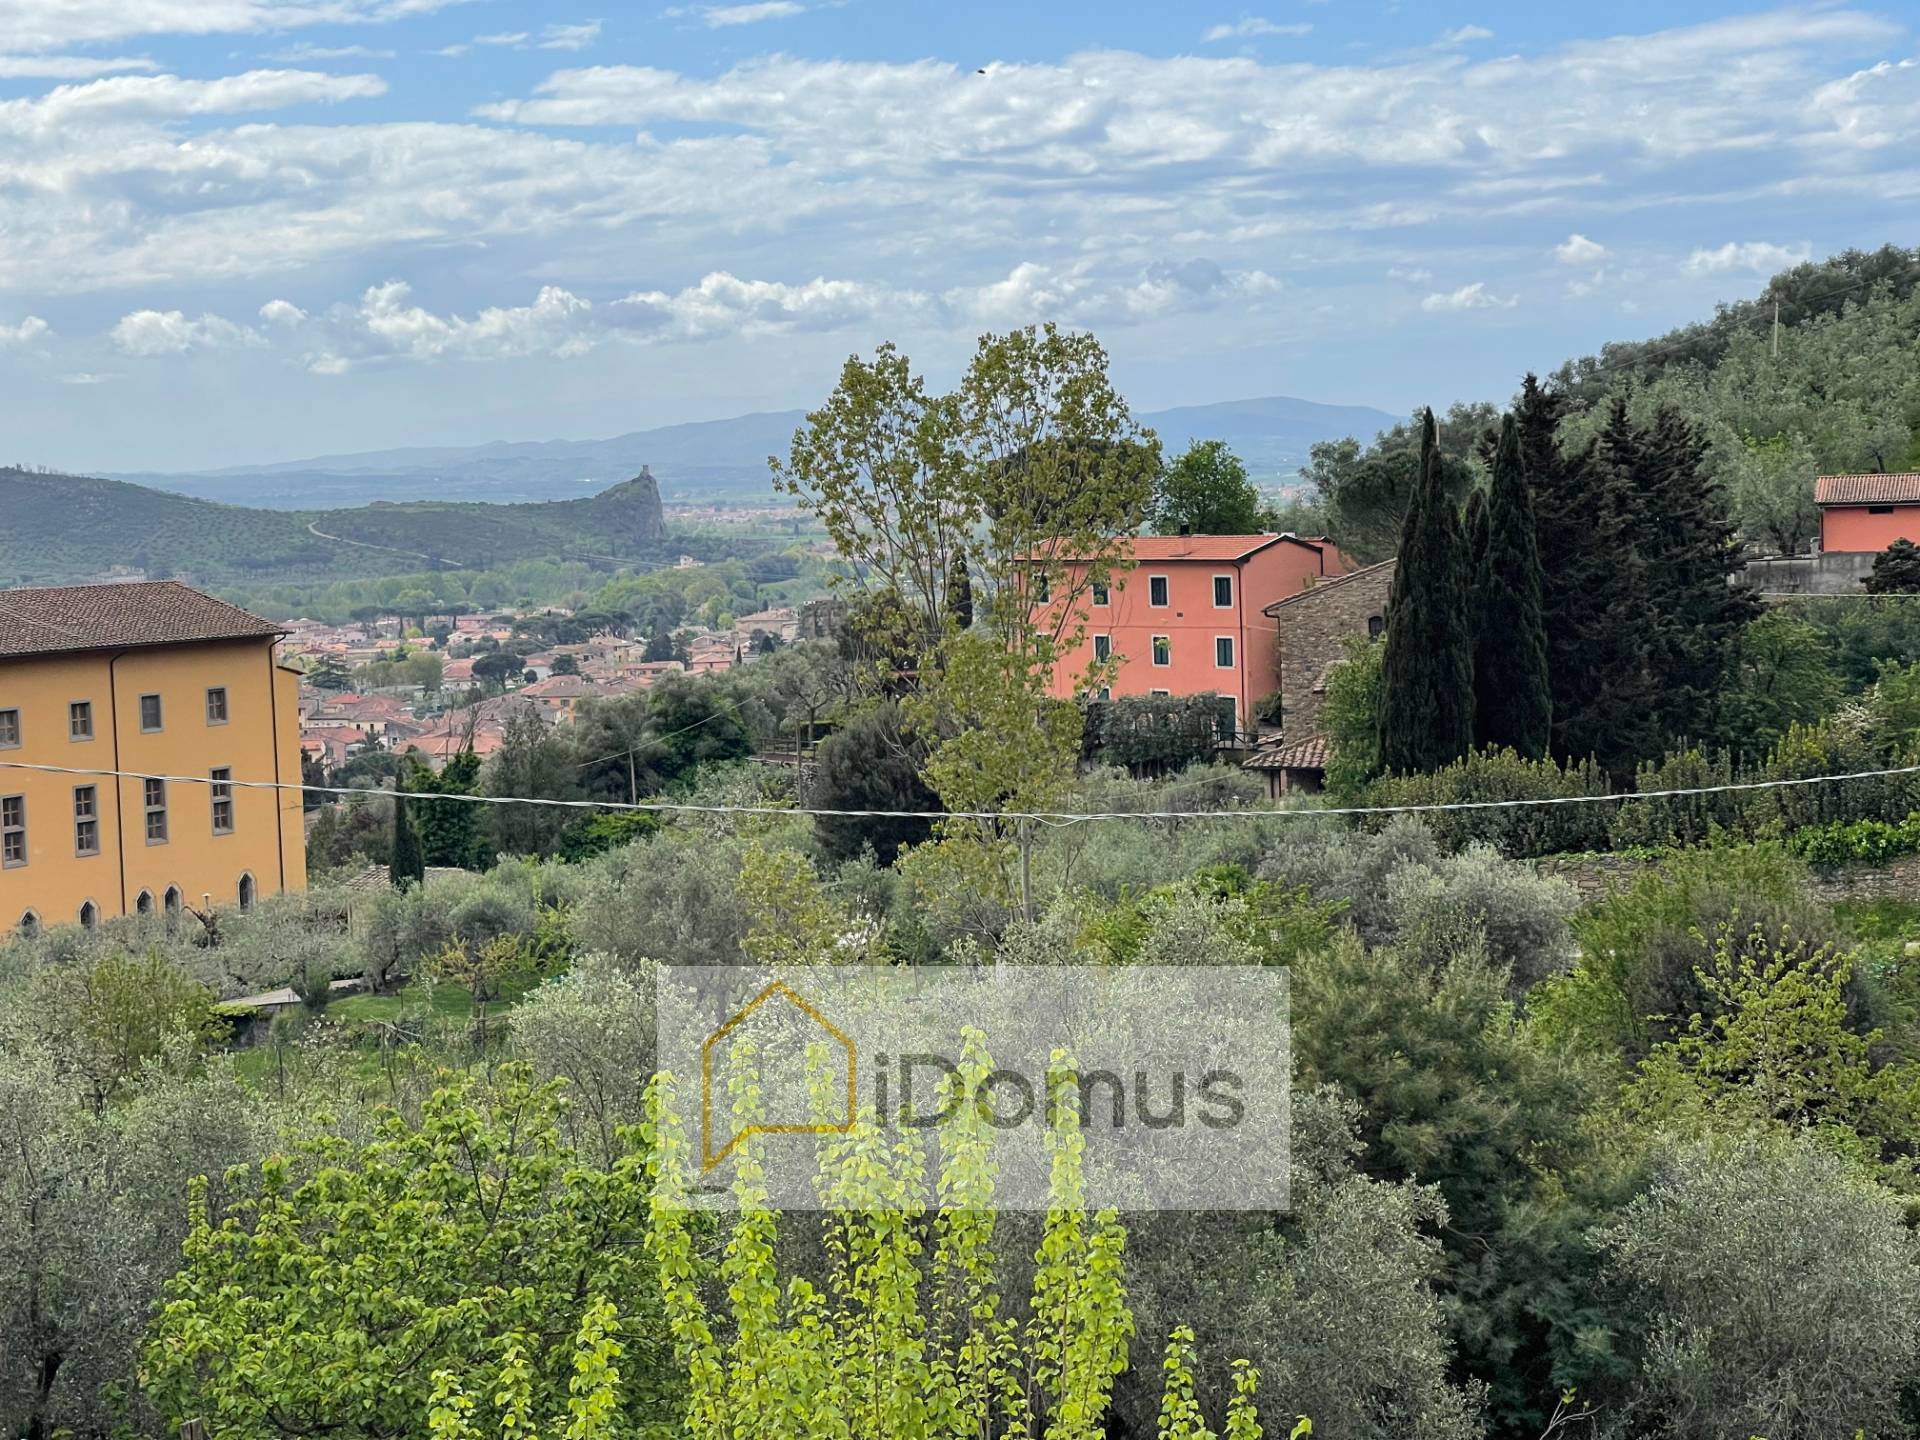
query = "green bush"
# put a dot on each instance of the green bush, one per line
(1844, 842)
(1165, 732)
(1486, 775)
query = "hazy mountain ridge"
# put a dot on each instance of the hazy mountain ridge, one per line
(698, 461)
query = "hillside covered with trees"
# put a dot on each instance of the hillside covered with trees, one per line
(1819, 373)
(65, 528)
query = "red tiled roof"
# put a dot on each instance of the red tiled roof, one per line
(116, 617)
(1309, 752)
(1867, 490)
(1159, 549)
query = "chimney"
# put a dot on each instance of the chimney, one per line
(1186, 529)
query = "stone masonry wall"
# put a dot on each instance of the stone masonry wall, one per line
(1311, 633)
(1593, 876)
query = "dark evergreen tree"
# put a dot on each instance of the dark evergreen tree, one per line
(871, 764)
(1689, 556)
(1426, 687)
(1592, 601)
(408, 865)
(1475, 527)
(960, 591)
(1896, 570)
(1513, 693)
(449, 831)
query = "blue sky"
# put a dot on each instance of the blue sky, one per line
(246, 230)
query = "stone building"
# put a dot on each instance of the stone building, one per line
(1311, 630)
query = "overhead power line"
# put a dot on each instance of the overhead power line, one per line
(1043, 817)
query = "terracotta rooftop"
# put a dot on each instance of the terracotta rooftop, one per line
(1867, 490)
(1309, 752)
(119, 617)
(1158, 549)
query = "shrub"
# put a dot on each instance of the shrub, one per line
(1157, 732)
(1490, 775)
(1844, 842)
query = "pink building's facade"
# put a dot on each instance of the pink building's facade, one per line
(1867, 513)
(1188, 619)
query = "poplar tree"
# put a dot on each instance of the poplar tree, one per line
(1513, 693)
(1426, 695)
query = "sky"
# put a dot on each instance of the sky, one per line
(237, 231)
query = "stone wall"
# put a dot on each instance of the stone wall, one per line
(1595, 875)
(1843, 572)
(1311, 631)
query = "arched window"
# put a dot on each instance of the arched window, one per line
(29, 925)
(89, 914)
(143, 903)
(246, 892)
(173, 902)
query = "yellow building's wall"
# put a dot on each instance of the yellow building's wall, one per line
(262, 728)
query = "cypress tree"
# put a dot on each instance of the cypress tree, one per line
(960, 591)
(1426, 678)
(1690, 556)
(408, 865)
(1513, 694)
(1591, 592)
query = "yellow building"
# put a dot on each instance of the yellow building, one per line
(162, 681)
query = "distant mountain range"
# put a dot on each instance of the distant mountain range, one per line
(706, 461)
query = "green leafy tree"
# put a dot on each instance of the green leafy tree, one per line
(908, 1336)
(1350, 718)
(323, 1296)
(103, 1019)
(1513, 694)
(1772, 1293)
(1205, 491)
(1784, 676)
(496, 668)
(532, 762)
(1426, 679)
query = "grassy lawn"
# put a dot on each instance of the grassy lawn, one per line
(436, 1013)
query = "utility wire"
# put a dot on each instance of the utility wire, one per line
(1058, 818)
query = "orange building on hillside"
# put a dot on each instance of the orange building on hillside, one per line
(184, 691)
(1188, 618)
(1867, 513)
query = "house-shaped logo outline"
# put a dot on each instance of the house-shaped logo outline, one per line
(708, 1158)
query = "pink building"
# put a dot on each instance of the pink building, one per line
(1188, 618)
(1867, 513)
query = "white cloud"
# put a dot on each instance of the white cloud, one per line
(725, 304)
(25, 332)
(69, 67)
(125, 99)
(282, 312)
(1467, 297)
(1579, 250)
(551, 325)
(503, 37)
(147, 333)
(1250, 28)
(720, 17)
(1414, 274)
(304, 52)
(1463, 35)
(1759, 256)
(29, 25)
(1032, 291)
(570, 37)
(83, 377)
